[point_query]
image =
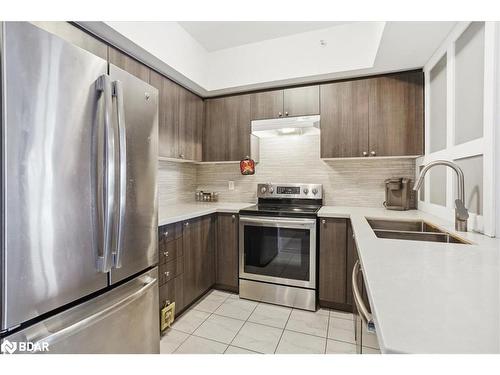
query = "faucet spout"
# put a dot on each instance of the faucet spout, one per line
(461, 213)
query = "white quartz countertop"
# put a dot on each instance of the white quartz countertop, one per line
(184, 211)
(428, 297)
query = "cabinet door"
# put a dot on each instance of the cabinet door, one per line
(332, 262)
(301, 101)
(267, 104)
(352, 257)
(129, 64)
(227, 251)
(396, 114)
(191, 238)
(168, 115)
(214, 135)
(344, 119)
(206, 258)
(238, 127)
(226, 136)
(190, 125)
(199, 257)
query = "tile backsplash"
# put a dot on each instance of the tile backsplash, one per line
(355, 182)
(176, 182)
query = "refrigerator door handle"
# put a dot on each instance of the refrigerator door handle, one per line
(88, 321)
(122, 145)
(105, 178)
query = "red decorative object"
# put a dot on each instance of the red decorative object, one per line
(247, 166)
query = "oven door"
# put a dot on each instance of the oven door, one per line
(278, 250)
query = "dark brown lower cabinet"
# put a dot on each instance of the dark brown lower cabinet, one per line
(199, 257)
(337, 256)
(195, 255)
(352, 257)
(227, 252)
(172, 291)
(332, 263)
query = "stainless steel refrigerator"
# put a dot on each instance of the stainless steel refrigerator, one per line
(79, 209)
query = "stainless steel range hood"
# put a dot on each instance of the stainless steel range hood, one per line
(303, 125)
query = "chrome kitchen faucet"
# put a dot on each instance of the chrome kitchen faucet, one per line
(461, 213)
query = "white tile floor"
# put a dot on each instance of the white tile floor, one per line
(223, 323)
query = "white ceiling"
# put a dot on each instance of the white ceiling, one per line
(217, 35)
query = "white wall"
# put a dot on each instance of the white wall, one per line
(169, 42)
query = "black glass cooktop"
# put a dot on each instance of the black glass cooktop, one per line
(290, 209)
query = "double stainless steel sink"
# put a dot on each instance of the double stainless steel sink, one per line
(414, 230)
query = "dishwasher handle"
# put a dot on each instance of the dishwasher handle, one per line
(363, 311)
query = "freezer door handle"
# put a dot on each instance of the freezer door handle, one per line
(105, 176)
(70, 330)
(122, 146)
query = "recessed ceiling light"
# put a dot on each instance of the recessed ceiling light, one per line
(322, 43)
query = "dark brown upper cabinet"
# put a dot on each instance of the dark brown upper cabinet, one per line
(226, 136)
(300, 101)
(191, 119)
(267, 104)
(180, 120)
(379, 116)
(168, 115)
(227, 252)
(396, 115)
(344, 119)
(128, 64)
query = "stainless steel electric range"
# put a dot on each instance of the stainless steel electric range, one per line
(277, 249)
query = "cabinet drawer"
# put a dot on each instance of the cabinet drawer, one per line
(170, 251)
(169, 232)
(171, 269)
(171, 291)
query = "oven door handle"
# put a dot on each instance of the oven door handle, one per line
(280, 222)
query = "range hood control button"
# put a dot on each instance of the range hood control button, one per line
(306, 190)
(315, 191)
(263, 189)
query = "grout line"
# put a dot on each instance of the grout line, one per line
(327, 329)
(283, 331)
(257, 304)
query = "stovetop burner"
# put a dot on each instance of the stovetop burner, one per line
(292, 200)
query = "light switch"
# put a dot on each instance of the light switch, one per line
(230, 185)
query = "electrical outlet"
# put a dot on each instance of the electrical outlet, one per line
(230, 185)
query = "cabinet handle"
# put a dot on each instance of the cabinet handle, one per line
(323, 221)
(358, 300)
(165, 253)
(286, 113)
(181, 156)
(233, 217)
(165, 234)
(280, 114)
(167, 273)
(373, 153)
(365, 153)
(186, 224)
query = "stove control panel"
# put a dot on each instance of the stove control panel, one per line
(302, 191)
